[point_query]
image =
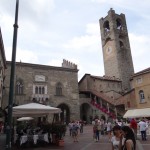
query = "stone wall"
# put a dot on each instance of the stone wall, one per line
(34, 75)
(142, 83)
(101, 84)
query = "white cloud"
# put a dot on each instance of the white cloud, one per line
(52, 30)
(55, 62)
(27, 56)
(139, 43)
(81, 42)
(93, 29)
(140, 47)
(88, 42)
(40, 6)
(22, 55)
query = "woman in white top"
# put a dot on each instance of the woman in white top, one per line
(115, 140)
(109, 128)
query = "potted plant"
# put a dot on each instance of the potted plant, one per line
(59, 130)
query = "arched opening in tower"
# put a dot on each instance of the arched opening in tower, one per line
(121, 44)
(119, 23)
(106, 26)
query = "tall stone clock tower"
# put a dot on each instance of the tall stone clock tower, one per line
(116, 48)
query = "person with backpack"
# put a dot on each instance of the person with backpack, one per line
(96, 130)
(75, 131)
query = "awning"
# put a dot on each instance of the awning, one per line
(34, 109)
(137, 113)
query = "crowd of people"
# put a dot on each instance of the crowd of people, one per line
(75, 127)
(122, 135)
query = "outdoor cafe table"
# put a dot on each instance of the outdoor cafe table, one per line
(42, 137)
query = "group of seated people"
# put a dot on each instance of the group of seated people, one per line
(30, 131)
(30, 135)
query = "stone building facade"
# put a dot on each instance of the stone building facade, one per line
(2, 69)
(139, 96)
(99, 97)
(103, 93)
(54, 86)
(104, 97)
(110, 86)
(140, 82)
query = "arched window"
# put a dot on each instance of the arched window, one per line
(141, 96)
(36, 90)
(40, 90)
(19, 87)
(43, 90)
(59, 89)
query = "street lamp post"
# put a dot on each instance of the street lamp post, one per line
(12, 75)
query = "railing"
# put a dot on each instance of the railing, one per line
(40, 98)
(104, 110)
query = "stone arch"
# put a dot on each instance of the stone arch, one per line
(107, 39)
(64, 116)
(85, 112)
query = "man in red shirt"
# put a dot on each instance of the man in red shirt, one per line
(133, 125)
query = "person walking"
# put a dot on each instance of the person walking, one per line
(102, 126)
(96, 130)
(133, 125)
(81, 126)
(70, 128)
(75, 132)
(108, 129)
(142, 126)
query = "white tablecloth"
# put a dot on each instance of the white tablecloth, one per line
(25, 138)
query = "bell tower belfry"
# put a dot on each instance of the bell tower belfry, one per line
(116, 48)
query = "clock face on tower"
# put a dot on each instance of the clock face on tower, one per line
(40, 78)
(108, 50)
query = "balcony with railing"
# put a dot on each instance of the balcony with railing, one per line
(103, 109)
(40, 98)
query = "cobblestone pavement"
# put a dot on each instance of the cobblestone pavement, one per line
(86, 143)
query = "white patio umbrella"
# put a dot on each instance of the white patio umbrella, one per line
(34, 109)
(137, 113)
(25, 118)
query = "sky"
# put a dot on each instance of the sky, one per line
(52, 30)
